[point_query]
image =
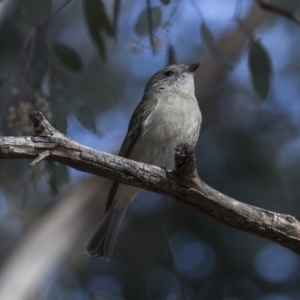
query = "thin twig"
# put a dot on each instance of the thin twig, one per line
(238, 9)
(196, 8)
(28, 49)
(53, 14)
(150, 27)
(267, 5)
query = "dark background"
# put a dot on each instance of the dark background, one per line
(85, 67)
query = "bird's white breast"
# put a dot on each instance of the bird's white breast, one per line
(176, 119)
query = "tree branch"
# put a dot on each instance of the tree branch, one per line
(183, 184)
(267, 5)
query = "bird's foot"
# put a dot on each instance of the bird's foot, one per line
(169, 173)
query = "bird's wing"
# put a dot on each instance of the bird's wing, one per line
(140, 114)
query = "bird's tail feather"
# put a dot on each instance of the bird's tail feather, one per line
(103, 240)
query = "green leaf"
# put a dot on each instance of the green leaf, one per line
(142, 26)
(68, 57)
(97, 22)
(260, 68)
(171, 55)
(81, 109)
(165, 2)
(84, 114)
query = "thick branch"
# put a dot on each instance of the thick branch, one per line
(183, 184)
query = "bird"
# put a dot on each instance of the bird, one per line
(167, 115)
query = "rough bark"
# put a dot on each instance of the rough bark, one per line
(182, 184)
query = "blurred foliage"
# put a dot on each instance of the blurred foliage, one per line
(88, 61)
(97, 22)
(260, 68)
(208, 37)
(58, 175)
(68, 57)
(142, 26)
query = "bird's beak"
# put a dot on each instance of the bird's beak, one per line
(192, 68)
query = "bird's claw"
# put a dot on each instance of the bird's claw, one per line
(167, 171)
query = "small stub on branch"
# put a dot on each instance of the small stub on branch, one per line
(41, 125)
(185, 164)
(40, 157)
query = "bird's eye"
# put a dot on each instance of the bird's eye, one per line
(169, 73)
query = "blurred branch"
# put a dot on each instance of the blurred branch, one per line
(231, 44)
(54, 13)
(53, 238)
(183, 184)
(26, 56)
(150, 27)
(267, 5)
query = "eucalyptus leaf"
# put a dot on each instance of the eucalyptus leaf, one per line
(78, 107)
(142, 26)
(98, 22)
(260, 68)
(84, 114)
(68, 57)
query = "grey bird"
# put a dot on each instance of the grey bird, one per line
(167, 116)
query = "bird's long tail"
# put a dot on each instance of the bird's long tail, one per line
(103, 241)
